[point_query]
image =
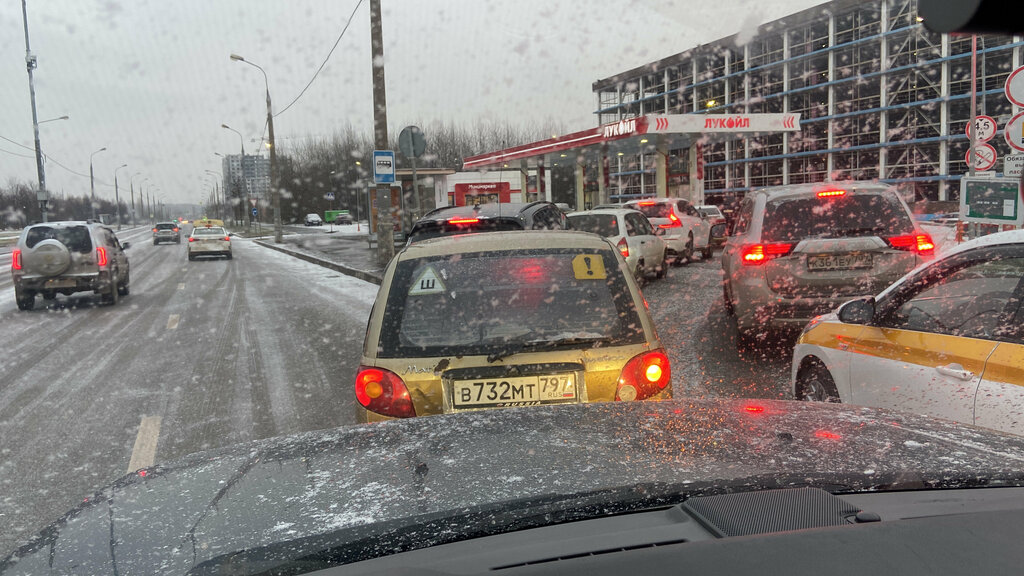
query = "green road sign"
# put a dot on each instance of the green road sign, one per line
(991, 201)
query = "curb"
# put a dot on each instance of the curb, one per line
(348, 271)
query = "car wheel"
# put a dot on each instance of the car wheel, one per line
(638, 272)
(814, 383)
(155, 242)
(123, 288)
(661, 269)
(178, 241)
(687, 254)
(707, 251)
(112, 292)
(191, 257)
(727, 299)
(229, 255)
(26, 299)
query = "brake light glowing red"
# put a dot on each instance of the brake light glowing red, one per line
(16, 259)
(673, 222)
(646, 203)
(463, 220)
(831, 193)
(175, 229)
(754, 408)
(623, 247)
(227, 239)
(154, 229)
(101, 256)
(757, 254)
(383, 392)
(191, 239)
(921, 243)
(644, 376)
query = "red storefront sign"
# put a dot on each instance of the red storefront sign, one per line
(483, 193)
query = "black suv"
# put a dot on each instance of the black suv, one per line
(67, 257)
(452, 220)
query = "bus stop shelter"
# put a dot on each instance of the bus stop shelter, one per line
(651, 135)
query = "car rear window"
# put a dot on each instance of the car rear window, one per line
(76, 238)
(656, 210)
(602, 224)
(208, 232)
(710, 211)
(166, 226)
(435, 229)
(792, 220)
(478, 303)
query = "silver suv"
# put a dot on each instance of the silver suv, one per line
(67, 257)
(800, 251)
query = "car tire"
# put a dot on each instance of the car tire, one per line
(155, 242)
(727, 299)
(124, 288)
(178, 241)
(26, 299)
(229, 256)
(707, 251)
(191, 257)
(111, 295)
(687, 254)
(661, 269)
(814, 383)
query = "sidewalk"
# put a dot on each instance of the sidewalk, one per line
(346, 253)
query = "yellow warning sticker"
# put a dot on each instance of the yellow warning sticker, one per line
(589, 267)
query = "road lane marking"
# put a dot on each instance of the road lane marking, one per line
(144, 451)
(172, 322)
(181, 286)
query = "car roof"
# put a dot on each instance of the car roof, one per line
(656, 200)
(493, 241)
(801, 190)
(66, 223)
(489, 210)
(619, 211)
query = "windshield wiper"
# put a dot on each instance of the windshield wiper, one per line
(518, 347)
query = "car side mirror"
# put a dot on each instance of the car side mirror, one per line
(125, 245)
(859, 311)
(718, 231)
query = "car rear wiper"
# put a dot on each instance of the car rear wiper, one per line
(518, 347)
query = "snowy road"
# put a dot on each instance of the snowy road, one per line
(201, 354)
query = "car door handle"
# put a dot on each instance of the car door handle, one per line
(955, 371)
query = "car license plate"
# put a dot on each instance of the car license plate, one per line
(61, 283)
(848, 261)
(514, 391)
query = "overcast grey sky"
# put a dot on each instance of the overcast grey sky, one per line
(152, 81)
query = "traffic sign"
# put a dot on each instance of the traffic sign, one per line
(255, 211)
(986, 128)
(411, 142)
(253, 201)
(383, 166)
(1014, 132)
(1013, 165)
(991, 201)
(329, 196)
(984, 157)
(1014, 87)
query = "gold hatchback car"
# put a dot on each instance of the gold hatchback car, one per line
(507, 319)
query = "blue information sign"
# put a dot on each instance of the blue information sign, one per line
(255, 211)
(383, 167)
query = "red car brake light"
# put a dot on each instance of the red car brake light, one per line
(921, 243)
(831, 193)
(16, 259)
(101, 256)
(383, 392)
(191, 239)
(623, 247)
(227, 239)
(154, 230)
(646, 203)
(673, 221)
(644, 376)
(176, 229)
(463, 220)
(757, 254)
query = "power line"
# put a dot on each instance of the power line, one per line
(317, 73)
(16, 154)
(49, 159)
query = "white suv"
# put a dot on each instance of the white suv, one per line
(683, 228)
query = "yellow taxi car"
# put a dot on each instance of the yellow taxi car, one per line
(209, 240)
(503, 319)
(945, 340)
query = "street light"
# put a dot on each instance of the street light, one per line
(275, 193)
(131, 186)
(117, 195)
(241, 170)
(53, 120)
(219, 202)
(92, 185)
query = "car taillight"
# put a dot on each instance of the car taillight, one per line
(831, 193)
(101, 256)
(757, 254)
(154, 230)
(175, 229)
(383, 392)
(16, 259)
(644, 376)
(227, 239)
(463, 220)
(920, 243)
(623, 247)
(673, 222)
(646, 203)
(191, 239)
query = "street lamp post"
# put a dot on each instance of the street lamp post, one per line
(117, 196)
(92, 185)
(275, 193)
(241, 169)
(30, 64)
(131, 192)
(223, 200)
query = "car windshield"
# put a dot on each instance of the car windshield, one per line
(853, 215)
(383, 206)
(480, 302)
(600, 224)
(76, 238)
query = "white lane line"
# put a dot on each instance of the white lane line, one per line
(172, 321)
(144, 451)
(181, 286)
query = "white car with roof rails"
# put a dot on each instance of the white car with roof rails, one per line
(631, 233)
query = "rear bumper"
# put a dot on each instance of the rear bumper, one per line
(63, 284)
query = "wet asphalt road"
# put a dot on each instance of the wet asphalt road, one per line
(213, 352)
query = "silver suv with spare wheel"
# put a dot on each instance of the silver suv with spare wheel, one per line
(67, 257)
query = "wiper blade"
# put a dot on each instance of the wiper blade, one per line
(544, 344)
